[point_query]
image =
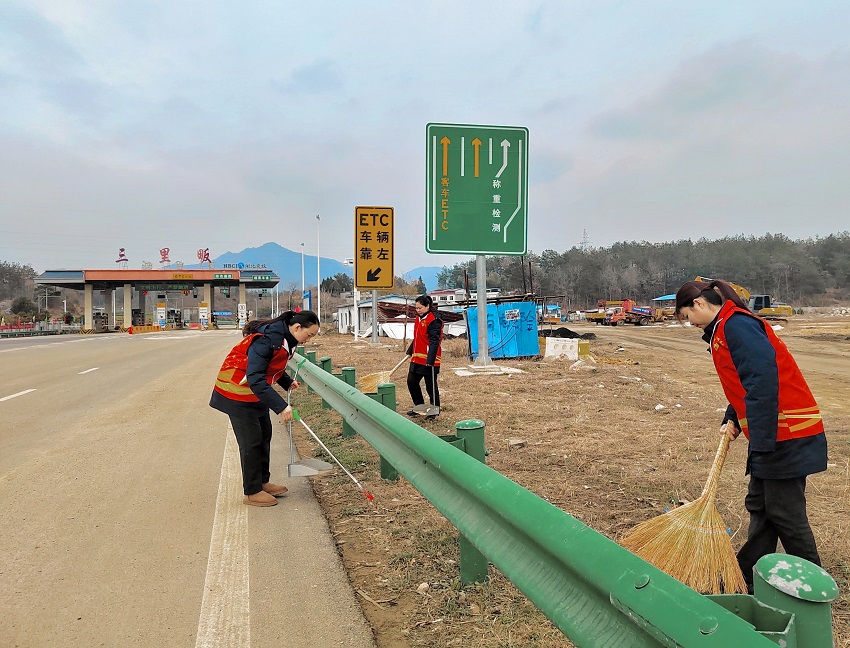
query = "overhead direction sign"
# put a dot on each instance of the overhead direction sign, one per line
(373, 248)
(476, 189)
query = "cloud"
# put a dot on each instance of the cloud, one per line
(318, 77)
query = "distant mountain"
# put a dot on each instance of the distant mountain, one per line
(287, 265)
(428, 274)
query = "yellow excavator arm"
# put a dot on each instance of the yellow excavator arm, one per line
(743, 293)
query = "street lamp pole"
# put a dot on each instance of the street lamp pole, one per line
(318, 273)
(302, 273)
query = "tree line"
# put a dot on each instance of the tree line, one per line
(812, 272)
(809, 272)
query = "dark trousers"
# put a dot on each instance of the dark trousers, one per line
(777, 513)
(413, 380)
(254, 435)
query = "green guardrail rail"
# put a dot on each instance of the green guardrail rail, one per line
(597, 593)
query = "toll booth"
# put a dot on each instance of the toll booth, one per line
(101, 322)
(138, 318)
(175, 318)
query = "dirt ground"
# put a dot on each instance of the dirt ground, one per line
(612, 443)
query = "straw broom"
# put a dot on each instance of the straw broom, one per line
(690, 542)
(369, 383)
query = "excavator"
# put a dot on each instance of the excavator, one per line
(761, 305)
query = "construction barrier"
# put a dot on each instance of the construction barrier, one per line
(596, 592)
(143, 329)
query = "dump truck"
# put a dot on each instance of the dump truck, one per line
(630, 313)
(611, 312)
(603, 307)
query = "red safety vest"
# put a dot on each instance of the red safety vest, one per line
(799, 415)
(420, 341)
(231, 382)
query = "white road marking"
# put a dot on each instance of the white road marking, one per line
(26, 391)
(225, 613)
(87, 371)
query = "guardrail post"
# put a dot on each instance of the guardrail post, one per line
(386, 394)
(473, 563)
(311, 356)
(802, 588)
(349, 377)
(326, 364)
(293, 373)
(472, 432)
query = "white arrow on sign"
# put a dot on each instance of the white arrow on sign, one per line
(505, 146)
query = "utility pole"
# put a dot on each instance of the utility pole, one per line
(318, 273)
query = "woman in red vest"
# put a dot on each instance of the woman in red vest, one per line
(243, 390)
(770, 402)
(424, 354)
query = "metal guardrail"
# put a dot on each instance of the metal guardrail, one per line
(597, 593)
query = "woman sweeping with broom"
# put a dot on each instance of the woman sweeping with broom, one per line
(424, 354)
(770, 402)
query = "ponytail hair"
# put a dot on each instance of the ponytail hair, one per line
(715, 292)
(304, 318)
(426, 300)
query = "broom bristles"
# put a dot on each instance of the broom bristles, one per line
(690, 543)
(369, 383)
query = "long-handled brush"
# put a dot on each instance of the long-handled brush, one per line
(297, 417)
(691, 542)
(369, 383)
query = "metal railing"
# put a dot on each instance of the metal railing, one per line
(597, 593)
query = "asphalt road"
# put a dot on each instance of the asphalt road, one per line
(120, 496)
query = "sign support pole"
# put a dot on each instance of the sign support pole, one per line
(374, 317)
(483, 357)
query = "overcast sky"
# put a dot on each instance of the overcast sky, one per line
(225, 124)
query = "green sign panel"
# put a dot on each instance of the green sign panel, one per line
(477, 189)
(164, 287)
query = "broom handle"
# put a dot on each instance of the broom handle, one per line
(401, 362)
(714, 474)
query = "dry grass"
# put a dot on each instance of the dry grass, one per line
(690, 542)
(597, 446)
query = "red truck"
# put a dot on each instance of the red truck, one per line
(631, 313)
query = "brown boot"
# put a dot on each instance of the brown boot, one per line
(276, 490)
(259, 499)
